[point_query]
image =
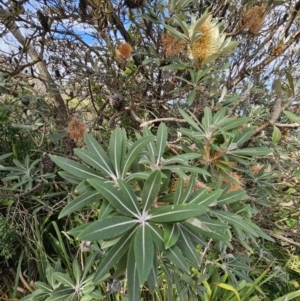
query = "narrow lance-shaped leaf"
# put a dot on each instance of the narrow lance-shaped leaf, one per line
(117, 150)
(161, 140)
(254, 151)
(64, 279)
(151, 189)
(134, 151)
(113, 255)
(105, 167)
(76, 271)
(133, 284)
(107, 228)
(114, 196)
(176, 213)
(152, 277)
(143, 252)
(80, 202)
(130, 196)
(171, 235)
(95, 148)
(75, 168)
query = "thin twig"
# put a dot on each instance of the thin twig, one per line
(146, 123)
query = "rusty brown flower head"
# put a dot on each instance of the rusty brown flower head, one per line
(76, 129)
(123, 52)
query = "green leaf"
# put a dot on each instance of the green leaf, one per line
(176, 33)
(289, 296)
(115, 197)
(191, 97)
(43, 286)
(176, 213)
(182, 159)
(75, 168)
(161, 140)
(130, 196)
(187, 247)
(207, 118)
(231, 197)
(251, 152)
(276, 135)
(134, 151)
(77, 230)
(179, 191)
(76, 271)
(204, 197)
(192, 169)
(117, 150)
(290, 81)
(133, 285)
(88, 264)
(152, 277)
(242, 137)
(143, 251)
(64, 279)
(113, 255)
(69, 177)
(292, 117)
(105, 167)
(173, 253)
(191, 120)
(232, 123)
(278, 88)
(171, 235)
(107, 228)
(151, 189)
(80, 202)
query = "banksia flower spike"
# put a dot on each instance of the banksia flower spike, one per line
(208, 43)
(47, 163)
(123, 52)
(76, 129)
(254, 18)
(171, 45)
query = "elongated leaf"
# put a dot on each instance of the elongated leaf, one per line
(161, 140)
(75, 168)
(128, 193)
(232, 197)
(276, 135)
(232, 123)
(88, 264)
(117, 150)
(207, 118)
(192, 169)
(76, 271)
(134, 151)
(43, 286)
(178, 192)
(193, 122)
(106, 209)
(176, 213)
(77, 230)
(114, 196)
(80, 202)
(113, 255)
(151, 189)
(187, 247)
(107, 228)
(244, 136)
(254, 151)
(133, 284)
(70, 178)
(105, 167)
(143, 252)
(152, 278)
(171, 235)
(183, 159)
(64, 279)
(173, 254)
(289, 296)
(204, 197)
(292, 117)
(84, 186)
(189, 189)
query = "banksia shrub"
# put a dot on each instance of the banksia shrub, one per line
(254, 18)
(171, 45)
(134, 3)
(123, 52)
(76, 129)
(208, 43)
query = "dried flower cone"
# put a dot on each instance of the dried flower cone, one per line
(278, 50)
(209, 42)
(254, 19)
(76, 129)
(171, 45)
(123, 52)
(198, 185)
(237, 178)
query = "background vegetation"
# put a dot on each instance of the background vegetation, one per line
(149, 150)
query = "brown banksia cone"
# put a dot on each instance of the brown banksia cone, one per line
(123, 52)
(134, 3)
(47, 163)
(208, 43)
(171, 45)
(76, 129)
(239, 181)
(278, 50)
(198, 185)
(254, 18)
